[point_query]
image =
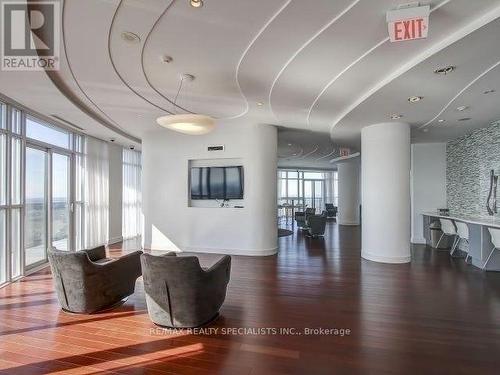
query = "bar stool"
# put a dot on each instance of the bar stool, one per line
(495, 240)
(448, 228)
(463, 235)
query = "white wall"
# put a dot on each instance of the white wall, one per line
(428, 183)
(170, 224)
(115, 193)
(349, 192)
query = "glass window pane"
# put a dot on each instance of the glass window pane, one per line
(313, 175)
(16, 121)
(15, 242)
(36, 206)
(3, 247)
(292, 174)
(16, 171)
(292, 189)
(3, 169)
(60, 202)
(3, 116)
(47, 134)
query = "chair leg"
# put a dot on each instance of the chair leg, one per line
(440, 238)
(456, 241)
(488, 259)
(467, 255)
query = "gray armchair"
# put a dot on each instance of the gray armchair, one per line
(331, 210)
(180, 293)
(302, 217)
(86, 281)
(317, 224)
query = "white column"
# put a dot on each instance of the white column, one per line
(348, 174)
(385, 175)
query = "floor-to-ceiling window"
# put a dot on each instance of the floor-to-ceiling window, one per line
(41, 200)
(306, 189)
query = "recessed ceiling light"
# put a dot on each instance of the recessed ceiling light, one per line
(464, 119)
(260, 104)
(294, 154)
(167, 59)
(441, 120)
(445, 70)
(396, 116)
(196, 3)
(289, 144)
(491, 91)
(414, 99)
(462, 108)
(130, 37)
(425, 130)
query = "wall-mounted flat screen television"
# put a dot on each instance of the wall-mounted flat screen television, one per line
(217, 182)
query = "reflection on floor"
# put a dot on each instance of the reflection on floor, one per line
(435, 315)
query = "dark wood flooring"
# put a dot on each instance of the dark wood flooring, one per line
(433, 316)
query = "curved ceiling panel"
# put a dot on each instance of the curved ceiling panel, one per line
(305, 149)
(326, 56)
(476, 59)
(447, 24)
(206, 42)
(289, 31)
(98, 78)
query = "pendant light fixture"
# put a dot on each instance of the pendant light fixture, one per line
(187, 123)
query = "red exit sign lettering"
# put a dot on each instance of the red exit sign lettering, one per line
(408, 23)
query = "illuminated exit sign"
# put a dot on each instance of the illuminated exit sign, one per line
(408, 23)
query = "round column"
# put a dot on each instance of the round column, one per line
(348, 206)
(385, 175)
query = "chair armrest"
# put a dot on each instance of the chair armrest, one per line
(221, 270)
(129, 264)
(96, 253)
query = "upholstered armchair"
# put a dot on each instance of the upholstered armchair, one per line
(86, 281)
(301, 217)
(317, 224)
(182, 294)
(331, 210)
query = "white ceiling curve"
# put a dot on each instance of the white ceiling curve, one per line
(318, 65)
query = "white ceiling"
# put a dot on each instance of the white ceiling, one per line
(317, 65)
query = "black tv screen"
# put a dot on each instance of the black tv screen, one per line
(217, 182)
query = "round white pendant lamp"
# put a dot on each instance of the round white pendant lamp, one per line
(187, 123)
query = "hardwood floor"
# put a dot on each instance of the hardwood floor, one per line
(435, 315)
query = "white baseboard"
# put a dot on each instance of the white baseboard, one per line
(350, 223)
(383, 259)
(114, 240)
(418, 240)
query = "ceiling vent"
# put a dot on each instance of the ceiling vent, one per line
(216, 148)
(445, 70)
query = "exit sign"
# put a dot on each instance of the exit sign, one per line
(408, 23)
